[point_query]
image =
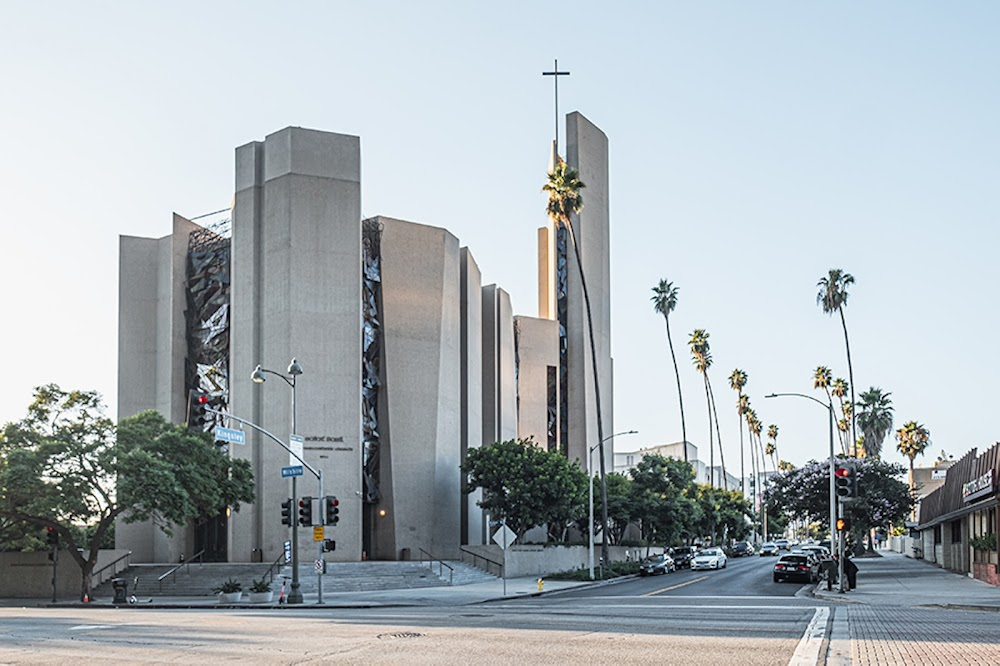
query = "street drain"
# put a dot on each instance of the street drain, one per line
(401, 634)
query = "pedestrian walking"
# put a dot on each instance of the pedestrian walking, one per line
(851, 573)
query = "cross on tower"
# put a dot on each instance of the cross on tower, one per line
(555, 74)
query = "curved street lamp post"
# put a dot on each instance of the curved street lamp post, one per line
(836, 542)
(590, 484)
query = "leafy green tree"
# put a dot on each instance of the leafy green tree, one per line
(621, 508)
(874, 419)
(804, 493)
(526, 485)
(665, 301)
(832, 297)
(63, 468)
(723, 512)
(663, 498)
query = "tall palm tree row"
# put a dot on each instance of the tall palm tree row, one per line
(718, 436)
(701, 355)
(772, 435)
(665, 301)
(563, 187)
(832, 297)
(737, 380)
(912, 440)
(874, 417)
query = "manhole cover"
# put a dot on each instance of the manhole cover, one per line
(401, 634)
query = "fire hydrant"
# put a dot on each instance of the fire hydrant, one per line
(541, 584)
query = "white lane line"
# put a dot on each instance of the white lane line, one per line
(807, 651)
(89, 627)
(839, 652)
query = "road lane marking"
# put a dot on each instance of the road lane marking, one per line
(673, 587)
(838, 652)
(807, 651)
(89, 627)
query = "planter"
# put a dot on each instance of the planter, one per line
(229, 597)
(261, 597)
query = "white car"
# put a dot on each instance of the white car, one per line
(709, 558)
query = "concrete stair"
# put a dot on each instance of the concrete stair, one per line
(198, 580)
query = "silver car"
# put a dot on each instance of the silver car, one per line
(709, 558)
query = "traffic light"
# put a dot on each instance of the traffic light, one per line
(52, 537)
(286, 512)
(197, 417)
(306, 511)
(332, 510)
(329, 546)
(846, 479)
(843, 524)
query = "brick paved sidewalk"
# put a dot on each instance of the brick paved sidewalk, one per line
(891, 635)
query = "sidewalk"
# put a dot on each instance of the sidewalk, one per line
(457, 595)
(897, 580)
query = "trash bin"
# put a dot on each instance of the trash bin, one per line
(120, 586)
(404, 554)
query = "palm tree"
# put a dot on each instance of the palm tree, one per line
(737, 380)
(785, 466)
(718, 435)
(875, 419)
(823, 379)
(772, 434)
(563, 187)
(912, 440)
(832, 297)
(665, 301)
(702, 358)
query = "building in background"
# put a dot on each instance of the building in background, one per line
(408, 360)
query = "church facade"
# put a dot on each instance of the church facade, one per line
(408, 361)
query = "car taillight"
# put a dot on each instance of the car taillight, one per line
(803, 567)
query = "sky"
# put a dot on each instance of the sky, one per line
(753, 147)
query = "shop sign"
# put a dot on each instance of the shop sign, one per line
(978, 487)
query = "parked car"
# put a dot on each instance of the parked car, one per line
(657, 564)
(782, 544)
(768, 548)
(796, 567)
(683, 555)
(821, 552)
(742, 549)
(709, 558)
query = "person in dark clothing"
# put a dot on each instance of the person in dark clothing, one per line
(851, 573)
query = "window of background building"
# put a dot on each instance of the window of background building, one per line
(937, 534)
(956, 531)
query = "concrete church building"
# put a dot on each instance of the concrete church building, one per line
(408, 359)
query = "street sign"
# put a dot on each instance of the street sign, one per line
(297, 444)
(230, 435)
(320, 566)
(291, 470)
(504, 537)
(318, 533)
(288, 552)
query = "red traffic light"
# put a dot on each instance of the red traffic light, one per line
(843, 472)
(202, 399)
(334, 501)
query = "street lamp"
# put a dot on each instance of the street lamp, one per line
(590, 484)
(259, 377)
(836, 543)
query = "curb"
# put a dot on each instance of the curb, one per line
(967, 607)
(585, 586)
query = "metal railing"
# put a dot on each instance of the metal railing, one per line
(198, 557)
(441, 565)
(98, 576)
(274, 566)
(475, 561)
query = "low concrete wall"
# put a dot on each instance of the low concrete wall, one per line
(29, 575)
(538, 560)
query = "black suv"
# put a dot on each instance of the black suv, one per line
(683, 555)
(742, 549)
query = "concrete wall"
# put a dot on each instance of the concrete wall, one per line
(296, 293)
(152, 346)
(29, 575)
(587, 151)
(473, 520)
(422, 330)
(499, 397)
(538, 349)
(530, 560)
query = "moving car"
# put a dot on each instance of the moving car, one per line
(742, 549)
(709, 558)
(683, 555)
(796, 567)
(768, 548)
(782, 544)
(657, 564)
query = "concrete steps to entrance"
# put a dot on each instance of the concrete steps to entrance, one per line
(198, 580)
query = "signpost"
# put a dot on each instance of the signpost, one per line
(230, 435)
(288, 552)
(291, 470)
(318, 533)
(503, 538)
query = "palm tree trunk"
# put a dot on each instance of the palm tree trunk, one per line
(743, 476)
(680, 397)
(597, 396)
(711, 446)
(754, 475)
(840, 435)
(850, 377)
(718, 433)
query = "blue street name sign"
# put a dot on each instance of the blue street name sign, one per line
(292, 470)
(230, 435)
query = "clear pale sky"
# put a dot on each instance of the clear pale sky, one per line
(754, 146)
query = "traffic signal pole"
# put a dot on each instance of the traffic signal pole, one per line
(319, 544)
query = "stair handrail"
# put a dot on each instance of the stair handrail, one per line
(199, 556)
(274, 565)
(476, 557)
(99, 574)
(441, 563)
